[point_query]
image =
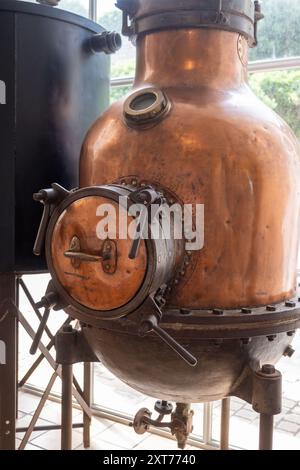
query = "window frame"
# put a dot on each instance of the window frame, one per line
(207, 441)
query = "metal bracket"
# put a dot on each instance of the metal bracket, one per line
(223, 17)
(72, 347)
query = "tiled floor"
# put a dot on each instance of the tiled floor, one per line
(105, 435)
(109, 392)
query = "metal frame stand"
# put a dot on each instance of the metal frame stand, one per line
(72, 348)
(10, 316)
(8, 360)
(225, 424)
(267, 401)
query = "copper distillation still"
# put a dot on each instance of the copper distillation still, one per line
(180, 325)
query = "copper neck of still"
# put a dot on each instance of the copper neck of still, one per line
(192, 58)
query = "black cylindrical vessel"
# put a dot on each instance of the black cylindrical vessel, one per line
(52, 87)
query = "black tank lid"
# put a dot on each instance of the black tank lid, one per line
(49, 12)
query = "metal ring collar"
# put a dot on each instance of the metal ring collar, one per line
(240, 16)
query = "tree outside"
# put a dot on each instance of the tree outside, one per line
(278, 34)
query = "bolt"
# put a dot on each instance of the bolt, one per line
(68, 329)
(245, 340)
(257, 6)
(290, 333)
(268, 369)
(290, 304)
(185, 311)
(271, 337)
(271, 308)
(289, 351)
(246, 310)
(217, 311)
(38, 197)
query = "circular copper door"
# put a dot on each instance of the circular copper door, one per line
(89, 282)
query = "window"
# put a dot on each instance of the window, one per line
(123, 62)
(280, 90)
(278, 32)
(80, 7)
(277, 83)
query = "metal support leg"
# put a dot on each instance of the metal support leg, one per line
(207, 422)
(66, 406)
(87, 383)
(266, 400)
(8, 362)
(266, 426)
(225, 424)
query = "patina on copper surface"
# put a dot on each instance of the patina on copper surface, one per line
(87, 282)
(220, 146)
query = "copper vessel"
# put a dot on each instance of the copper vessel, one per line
(192, 130)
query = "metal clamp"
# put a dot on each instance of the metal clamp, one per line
(220, 15)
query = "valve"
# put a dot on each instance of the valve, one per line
(180, 425)
(108, 42)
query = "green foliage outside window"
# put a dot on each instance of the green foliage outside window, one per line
(280, 91)
(278, 35)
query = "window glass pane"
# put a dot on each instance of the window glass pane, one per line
(280, 91)
(110, 17)
(80, 7)
(118, 92)
(244, 422)
(278, 32)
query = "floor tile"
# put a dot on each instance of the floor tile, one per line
(123, 436)
(99, 425)
(27, 402)
(52, 412)
(51, 440)
(157, 443)
(25, 421)
(98, 444)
